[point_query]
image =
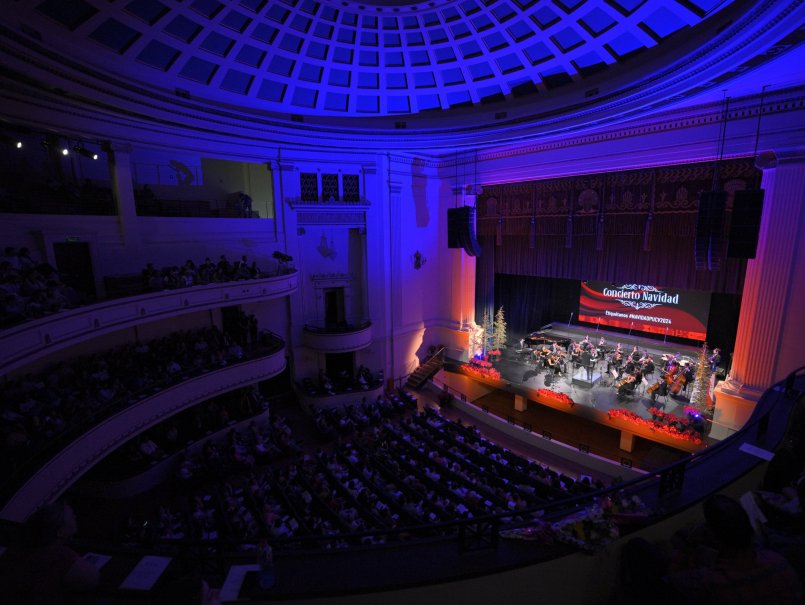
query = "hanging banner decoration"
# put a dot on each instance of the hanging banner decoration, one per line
(646, 308)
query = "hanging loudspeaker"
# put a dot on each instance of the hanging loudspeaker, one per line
(745, 226)
(461, 230)
(709, 223)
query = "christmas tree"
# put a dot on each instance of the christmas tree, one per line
(476, 339)
(700, 397)
(499, 331)
(486, 324)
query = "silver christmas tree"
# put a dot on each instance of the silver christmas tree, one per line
(699, 397)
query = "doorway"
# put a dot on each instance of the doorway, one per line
(340, 368)
(74, 264)
(334, 307)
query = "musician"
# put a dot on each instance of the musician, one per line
(629, 384)
(629, 368)
(554, 348)
(586, 344)
(575, 353)
(648, 366)
(617, 358)
(635, 354)
(522, 344)
(715, 360)
(673, 361)
(602, 342)
(586, 360)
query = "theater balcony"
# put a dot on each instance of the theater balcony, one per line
(54, 466)
(338, 338)
(32, 340)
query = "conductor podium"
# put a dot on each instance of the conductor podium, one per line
(580, 377)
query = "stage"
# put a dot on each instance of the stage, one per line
(574, 392)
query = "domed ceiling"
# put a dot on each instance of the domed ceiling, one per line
(309, 60)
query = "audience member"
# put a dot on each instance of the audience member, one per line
(45, 570)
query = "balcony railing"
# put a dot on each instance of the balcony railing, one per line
(28, 341)
(338, 338)
(54, 465)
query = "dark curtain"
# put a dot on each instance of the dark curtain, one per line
(636, 226)
(485, 278)
(532, 302)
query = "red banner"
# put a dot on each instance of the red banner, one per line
(645, 308)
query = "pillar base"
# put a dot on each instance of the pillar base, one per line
(734, 405)
(520, 403)
(627, 441)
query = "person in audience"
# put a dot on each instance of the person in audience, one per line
(10, 257)
(44, 569)
(716, 562)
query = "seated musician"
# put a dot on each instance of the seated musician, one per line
(617, 360)
(629, 368)
(544, 354)
(661, 387)
(629, 384)
(635, 354)
(602, 342)
(648, 366)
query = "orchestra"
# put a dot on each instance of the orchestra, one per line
(626, 370)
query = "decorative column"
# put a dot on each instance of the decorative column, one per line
(770, 341)
(119, 156)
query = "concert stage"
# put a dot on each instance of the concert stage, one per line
(572, 393)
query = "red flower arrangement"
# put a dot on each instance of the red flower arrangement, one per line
(560, 397)
(482, 369)
(669, 424)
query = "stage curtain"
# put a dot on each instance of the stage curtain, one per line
(655, 209)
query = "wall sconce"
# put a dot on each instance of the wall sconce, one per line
(418, 259)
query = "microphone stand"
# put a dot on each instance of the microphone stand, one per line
(569, 320)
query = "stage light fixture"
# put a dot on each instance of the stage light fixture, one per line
(11, 141)
(65, 151)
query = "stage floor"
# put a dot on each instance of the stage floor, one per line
(522, 376)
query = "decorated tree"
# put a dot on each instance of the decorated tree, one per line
(499, 330)
(476, 340)
(486, 324)
(700, 397)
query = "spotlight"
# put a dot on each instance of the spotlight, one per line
(65, 151)
(7, 140)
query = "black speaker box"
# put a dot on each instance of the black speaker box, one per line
(709, 229)
(745, 227)
(461, 230)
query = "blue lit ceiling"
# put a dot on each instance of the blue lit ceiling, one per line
(342, 58)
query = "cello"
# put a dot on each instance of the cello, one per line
(679, 381)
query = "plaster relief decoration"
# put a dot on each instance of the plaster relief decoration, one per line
(325, 249)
